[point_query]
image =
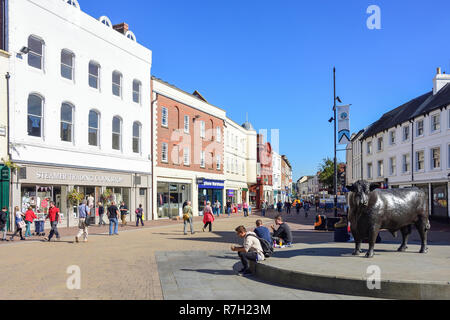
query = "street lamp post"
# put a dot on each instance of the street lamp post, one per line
(335, 151)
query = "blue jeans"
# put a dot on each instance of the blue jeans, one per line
(28, 231)
(263, 212)
(116, 226)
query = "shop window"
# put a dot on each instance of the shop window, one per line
(440, 198)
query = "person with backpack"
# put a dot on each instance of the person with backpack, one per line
(3, 219)
(139, 215)
(262, 232)
(250, 251)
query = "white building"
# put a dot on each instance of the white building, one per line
(239, 161)
(80, 108)
(276, 167)
(4, 72)
(410, 146)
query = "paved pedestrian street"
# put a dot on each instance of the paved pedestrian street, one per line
(154, 263)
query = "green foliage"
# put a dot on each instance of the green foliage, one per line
(107, 197)
(11, 165)
(326, 176)
(75, 197)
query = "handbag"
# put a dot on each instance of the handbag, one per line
(21, 224)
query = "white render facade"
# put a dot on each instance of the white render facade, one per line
(80, 107)
(239, 161)
(412, 153)
(4, 69)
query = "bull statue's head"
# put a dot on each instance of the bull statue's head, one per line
(360, 191)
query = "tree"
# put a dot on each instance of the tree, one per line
(326, 176)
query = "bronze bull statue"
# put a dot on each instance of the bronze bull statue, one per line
(373, 210)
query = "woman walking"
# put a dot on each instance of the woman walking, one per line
(208, 217)
(245, 207)
(29, 218)
(217, 207)
(19, 223)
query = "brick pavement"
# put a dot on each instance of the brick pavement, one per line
(123, 267)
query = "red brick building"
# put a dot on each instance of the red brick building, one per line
(263, 190)
(188, 150)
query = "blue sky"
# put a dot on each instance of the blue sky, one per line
(274, 59)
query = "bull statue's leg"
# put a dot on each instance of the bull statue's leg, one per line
(406, 231)
(423, 225)
(373, 235)
(358, 241)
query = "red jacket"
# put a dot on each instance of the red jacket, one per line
(53, 214)
(207, 215)
(30, 216)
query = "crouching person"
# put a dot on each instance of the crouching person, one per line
(252, 249)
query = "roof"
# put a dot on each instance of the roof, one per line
(403, 113)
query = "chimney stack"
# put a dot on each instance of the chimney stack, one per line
(440, 80)
(121, 27)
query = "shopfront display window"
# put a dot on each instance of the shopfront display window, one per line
(440, 201)
(205, 195)
(170, 198)
(39, 198)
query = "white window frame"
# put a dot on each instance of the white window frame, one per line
(380, 146)
(72, 67)
(392, 138)
(186, 156)
(164, 117)
(392, 166)
(380, 172)
(186, 124)
(422, 121)
(432, 158)
(41, 117)
(218, 162)
(66, 122)
(165, 152)
(417, 160)
(404, 157)
(369, 147)
(97, 129)
(137, 93)
(432, 123)
(448, 156)
(404, 133)
(202, 159)
(115, 85)
(137, 137)
(369, 171)
(219, 134)
(90, 75)
(120, 133)
(202, 129)
(36, 54)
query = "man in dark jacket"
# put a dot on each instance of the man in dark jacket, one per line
(279, 206)
(3, 219)
(283, 233)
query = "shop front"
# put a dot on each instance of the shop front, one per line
(439, 202)
(209, 190)
(37, 186)
(170, 198)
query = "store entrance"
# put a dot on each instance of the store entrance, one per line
(211, 195)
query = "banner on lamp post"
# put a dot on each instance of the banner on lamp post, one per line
(343, 113)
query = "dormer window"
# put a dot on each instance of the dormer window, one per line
(105, 20)
(130, 35)
(73, 3)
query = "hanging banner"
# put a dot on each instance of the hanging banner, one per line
(343, 113)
